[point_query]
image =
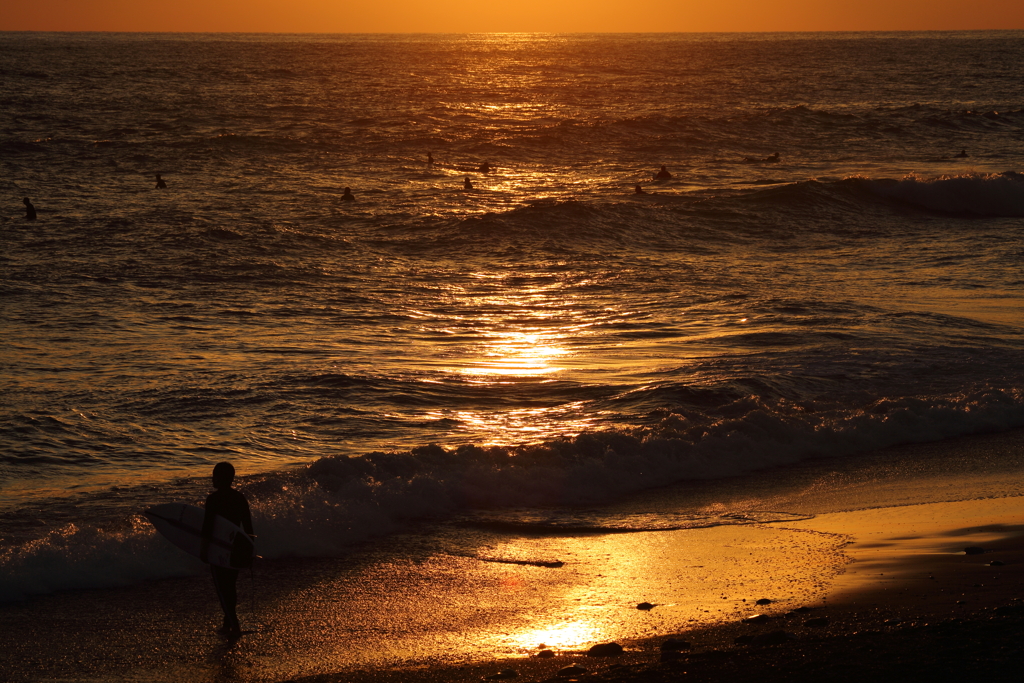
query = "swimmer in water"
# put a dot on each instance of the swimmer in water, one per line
(663, 174)
(639, 190)
(30, 211)
(430, 159)
(347, 196)
(962, 154)
(160, 184)
(485, 167)
(467, 184)
(772, 159)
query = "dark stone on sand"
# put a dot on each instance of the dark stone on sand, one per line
(605, 650)
(817, 622)
(772, 638)
(995, 563)
(645, 606)
(763, 601)
(974, 550)
(545, 654)
(502, 675)
(674, 644)
(757, 619)
(743, 640)
(574, 670)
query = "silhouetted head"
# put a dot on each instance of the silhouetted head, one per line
(223, 475)
(663, 168)
(26, 202)
(640, 190)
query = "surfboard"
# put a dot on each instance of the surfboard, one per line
(182, 525)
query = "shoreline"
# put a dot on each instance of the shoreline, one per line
(908, 607)
(464, 604)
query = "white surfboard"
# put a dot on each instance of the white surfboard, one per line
(182, 525)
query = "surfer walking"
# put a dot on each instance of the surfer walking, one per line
(230, 504)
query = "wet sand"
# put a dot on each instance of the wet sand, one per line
(901, 598)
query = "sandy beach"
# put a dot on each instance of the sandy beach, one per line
(871, 591)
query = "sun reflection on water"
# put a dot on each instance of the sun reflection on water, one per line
(564, 636)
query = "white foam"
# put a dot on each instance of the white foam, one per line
(335, 502)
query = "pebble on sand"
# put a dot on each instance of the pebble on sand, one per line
(645, 606)
(605, 650)
(674, 644)
(763, 601)
(574, 670)
(757, 619)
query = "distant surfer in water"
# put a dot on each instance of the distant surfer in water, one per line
(430, 159)
(467, 183)
(485, 167)
(346, 196)
(232, 506)
(962, 154)
(774, 158)
(640, 190)
(160, 184)
(30, 211)
(663, 174)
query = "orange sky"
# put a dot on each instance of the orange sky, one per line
(458, 16)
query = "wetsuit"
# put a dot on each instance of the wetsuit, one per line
(232, 506)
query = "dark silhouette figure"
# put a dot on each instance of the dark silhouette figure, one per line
(485, 167)
(774, 158)
(232, 506)
(962, 154)
(160, 184)
(30, 211)
(640, 190)
(430, 159)
(663, 174)
(347, 196)
(467, 184)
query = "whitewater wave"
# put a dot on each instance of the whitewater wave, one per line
(333, 503)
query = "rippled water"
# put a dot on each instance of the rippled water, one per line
(548, 338)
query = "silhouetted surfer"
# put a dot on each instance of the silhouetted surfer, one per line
(232, 506)
(962, 154)
(485, 167)
(467, 184)
(774, 158)
(663, 174)
(160, 184)
(430, 159)
(346, 196)
(639, 190)
(30, 211)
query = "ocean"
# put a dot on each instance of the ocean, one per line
(522, 355)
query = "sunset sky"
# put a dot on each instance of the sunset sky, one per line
(458, 16)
